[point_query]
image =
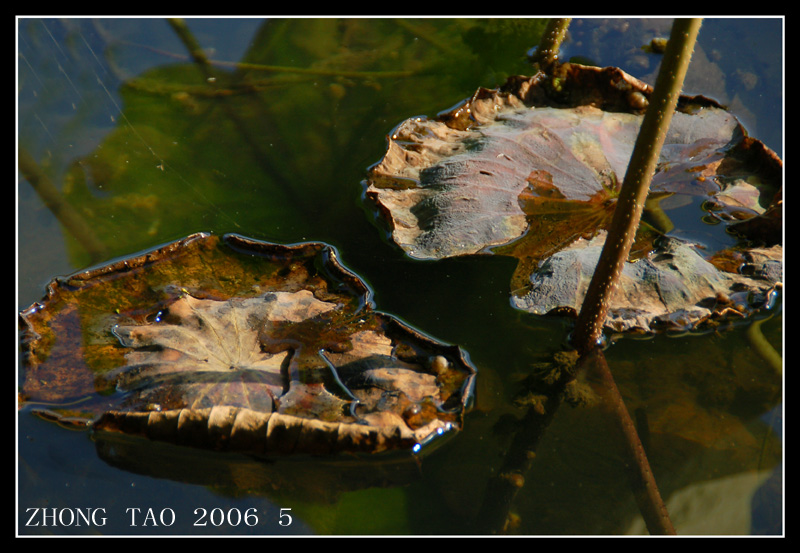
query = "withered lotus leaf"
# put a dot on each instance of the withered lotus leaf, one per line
(672, 288)
(526, 171)
(231, 344)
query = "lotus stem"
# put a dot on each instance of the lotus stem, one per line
(630, 204)
(547, 51)
(636, 185)
(631, 201)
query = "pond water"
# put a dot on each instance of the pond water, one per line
(272, 140)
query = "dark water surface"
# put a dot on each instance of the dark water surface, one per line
(148, 146)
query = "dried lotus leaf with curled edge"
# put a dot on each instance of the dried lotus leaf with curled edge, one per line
(674, 288)
(230, 344)
(526, 171)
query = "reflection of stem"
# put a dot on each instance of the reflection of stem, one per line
(641, 477)
(55, 202)
(655, 215)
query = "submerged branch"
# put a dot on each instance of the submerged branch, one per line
(427, 37)
(196, 52)
(502, 488)
(287, 69)
(318, 71)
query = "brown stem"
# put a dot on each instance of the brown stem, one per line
(630, 203)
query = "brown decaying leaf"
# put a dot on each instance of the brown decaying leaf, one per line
(233, 344)
(527, 170)
(674, 288)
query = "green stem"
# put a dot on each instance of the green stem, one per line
(630, 203)
(186, 36)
